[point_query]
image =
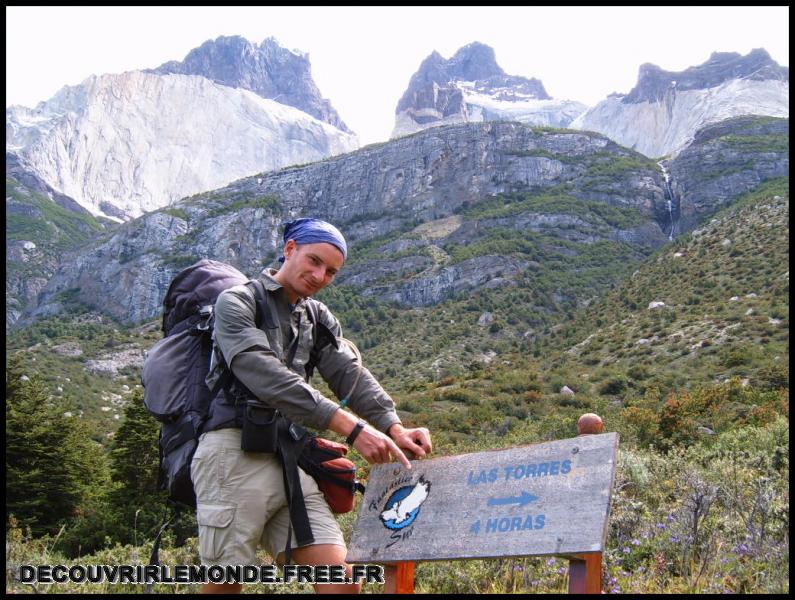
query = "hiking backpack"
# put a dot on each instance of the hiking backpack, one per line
(175, 392)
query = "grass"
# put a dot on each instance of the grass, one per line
(270, 203)
(609, 165)
(50, 224)
(596, 213)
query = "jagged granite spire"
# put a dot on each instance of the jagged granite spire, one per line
(267, 69)
(471, 86)
(475, 61)
(757, 65)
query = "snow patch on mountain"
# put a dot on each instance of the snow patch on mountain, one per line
(496, 104)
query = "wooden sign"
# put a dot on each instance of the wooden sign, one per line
(547, 498)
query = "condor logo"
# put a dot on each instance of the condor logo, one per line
(404, 505)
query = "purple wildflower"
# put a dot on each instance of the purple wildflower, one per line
(626, 550)
(636, 542)
(561, 570)
(550, 562)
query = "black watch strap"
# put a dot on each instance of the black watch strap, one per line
(356, 429)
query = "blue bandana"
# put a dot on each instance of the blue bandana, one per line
(314, 231)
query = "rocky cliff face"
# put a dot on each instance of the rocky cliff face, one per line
(16, 170)
(267, 69)
(41, 225)
(726, 160)
(378, 191)
(121, 145)
(662, 113)
(435, 214)
(471, 86)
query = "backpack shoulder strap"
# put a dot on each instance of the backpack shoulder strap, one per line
(321, 337)
(265, 313)
(311, 311)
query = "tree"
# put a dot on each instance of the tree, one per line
(136, 500)
(50, 459)
(135, 458)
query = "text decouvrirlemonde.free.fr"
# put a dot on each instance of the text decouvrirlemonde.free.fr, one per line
(146, 574)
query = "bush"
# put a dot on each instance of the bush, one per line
(613, 386)
(638, 372)
(460, 395)
(737, 357)
(773, 377)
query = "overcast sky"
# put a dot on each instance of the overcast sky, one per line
(363, 57)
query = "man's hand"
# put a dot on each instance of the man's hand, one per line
(376, 447)
(416, 441)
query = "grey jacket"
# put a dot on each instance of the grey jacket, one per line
(257, 357)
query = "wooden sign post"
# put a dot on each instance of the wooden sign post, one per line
(551, 498)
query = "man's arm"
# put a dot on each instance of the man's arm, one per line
(347, 377)
(249, 354)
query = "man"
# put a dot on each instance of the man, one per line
(241, 501)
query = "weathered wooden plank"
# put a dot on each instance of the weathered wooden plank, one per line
(547, 498)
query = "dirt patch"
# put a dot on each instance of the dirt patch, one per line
(441, 228)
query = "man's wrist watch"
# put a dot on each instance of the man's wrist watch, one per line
(355, 432)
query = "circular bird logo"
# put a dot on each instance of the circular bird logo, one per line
(403, 506)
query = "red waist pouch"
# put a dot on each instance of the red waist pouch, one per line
(335, 475)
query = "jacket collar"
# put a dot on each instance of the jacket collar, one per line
(268, 278)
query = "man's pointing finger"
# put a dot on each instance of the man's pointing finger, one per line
(398, 453)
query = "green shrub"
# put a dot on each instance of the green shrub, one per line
(613, 386)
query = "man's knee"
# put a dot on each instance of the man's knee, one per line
(222, 588)
(319, 554)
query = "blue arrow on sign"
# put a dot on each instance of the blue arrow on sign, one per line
(525, 498)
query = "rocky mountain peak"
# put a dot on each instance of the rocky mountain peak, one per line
(757, 65)
(267, 69)
(663, 112)
(124, 144)
(473, 62)
(471, 86)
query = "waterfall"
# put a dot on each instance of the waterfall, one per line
(669, 198)
(670, 215)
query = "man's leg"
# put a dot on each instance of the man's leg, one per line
(324, 554)
(231, 516)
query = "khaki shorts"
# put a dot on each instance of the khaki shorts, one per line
(241, 502)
